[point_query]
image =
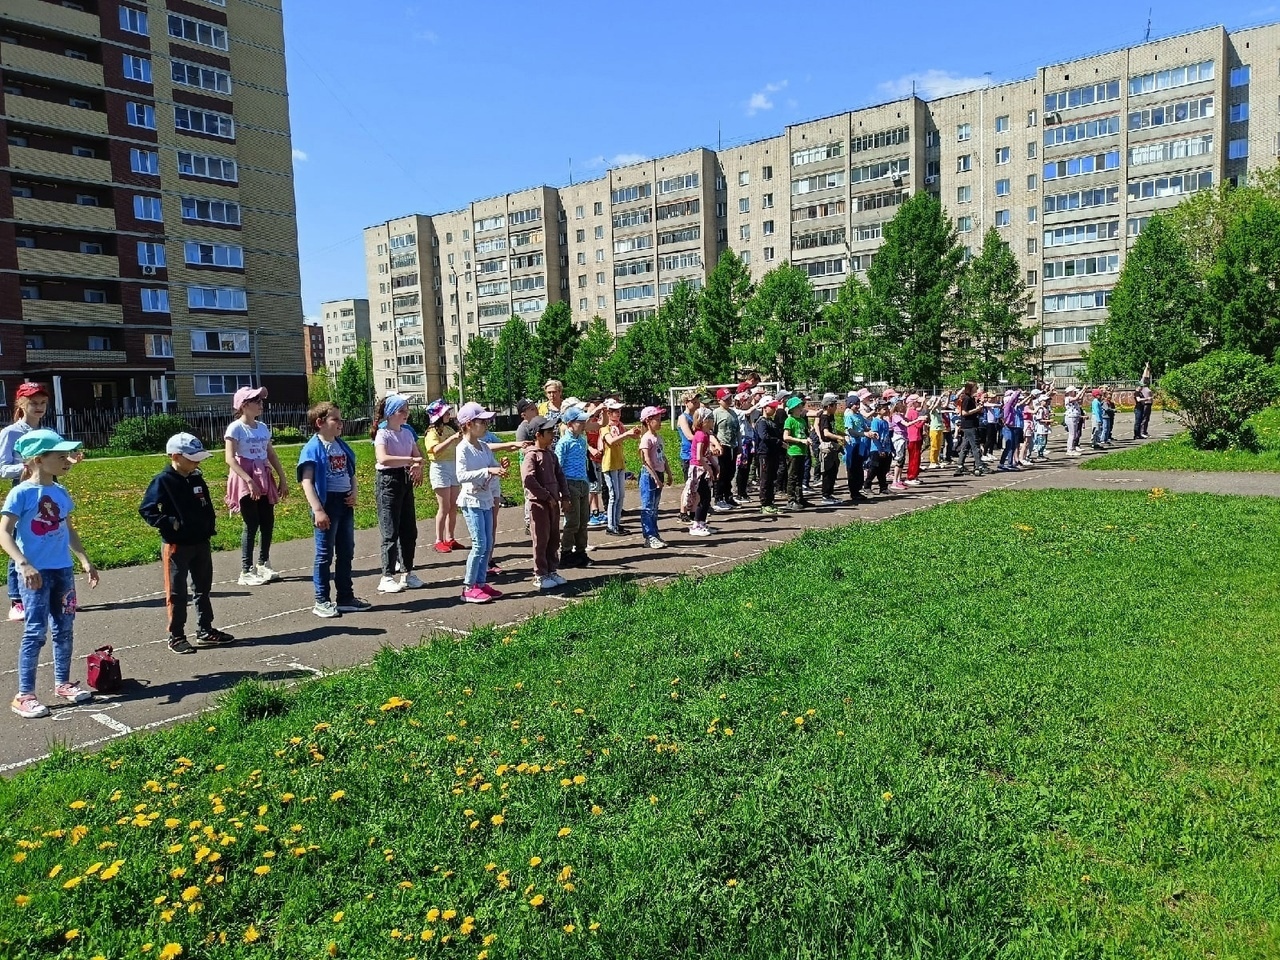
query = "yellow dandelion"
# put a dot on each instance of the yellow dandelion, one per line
(490, 939)
(535, 861)
(337, 917)
(22, 899)
(405, 885)
(333, 949)
(569, 928)
(71, 934)
(448, 914)
(177, 873)
(252, 935)
(538, 900)
(77, 804)
(731, 882)
(112, 870)
(433, 915)
(596, 810)
(594, 927)
(497, 819)
(427, 935)
(262, 870)
(579, 779)
(190, 893)
(886, 796)
(72, 883)
(337, 795)
(563, 832)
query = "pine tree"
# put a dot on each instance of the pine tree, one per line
(709, 357)
(990, 341)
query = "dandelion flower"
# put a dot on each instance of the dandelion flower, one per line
(433, 915)
(596, 810)
(262, 870)
(538, 900)
(497, 819)
(594, 927)
(170, 950)
(72, 883)
(563, 832)
(77, 804)
(490, 939)
(71, 934)
(337, 795)
(252, 935)
(22, 899)
(337, 917)
(448, 914)
(569, 928)
(112, 870)
(886, 796)
(190, 893)
(731, 882)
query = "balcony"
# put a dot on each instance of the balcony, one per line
(87, 358)
(64, 312)
(61, 165)
(62, 19)
(50, 213)
(62, 263)
(60, 116)
(44, 64)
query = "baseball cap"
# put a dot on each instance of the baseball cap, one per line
(612, 404)
(568, 402)
(829, 398)
(39, 442)
(1097, 393)
(30, 389)
(473, 411)
(773, 403)
(757, 390)
(651, 411)
(888, 394)
(524, 405)
(573, 415)
(538, 424)
(245, 394)
(189, 446)
(723, 393)
(794, 402)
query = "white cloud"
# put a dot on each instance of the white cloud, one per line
(763, 99)
(300, 156)
(601, 162)
(931, 84)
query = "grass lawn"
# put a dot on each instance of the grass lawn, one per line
(107, 494)
(1177, 453)
(1031, 725)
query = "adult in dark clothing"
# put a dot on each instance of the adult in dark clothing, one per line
(1144, 399)
(967, 406)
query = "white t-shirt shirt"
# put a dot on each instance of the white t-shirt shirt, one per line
(251, 442)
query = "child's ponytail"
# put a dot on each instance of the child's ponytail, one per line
(379, 414)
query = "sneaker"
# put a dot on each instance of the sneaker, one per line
(17, 612)
(721, 506)
(442, 547)
(897, 486)
(655, 543)
(597, 520)
(72, 692)
(266, 572)
(413, 581)
(830, 502)
(27, 706)
(180, 645)
(455, 545)
(390, 585)
(914, 483)
(494, 571)
(543, 583)
(475, 595)
(354, 605)
(560, 581)
(960, 473)
(326, 609)
(619, 532)
(250, 578)
(699, 530)
(490, 591)
(213, 638)
(769, 511)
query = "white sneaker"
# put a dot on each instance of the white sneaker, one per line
(17, 612)
(699, 530)
(915, 483)
(543, 583)
(326, 609)
(560, 581)
(412, 581)
(390, 585)
(655, 543)
(250, 578)
(267, 573)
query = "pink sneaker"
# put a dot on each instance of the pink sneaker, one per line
(475, 595)
(16, 612)
(897, 486)
(72, 692)
(495, 594)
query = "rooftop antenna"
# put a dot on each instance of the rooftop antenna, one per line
(571, 171)
(1148, 36)
(719, 141)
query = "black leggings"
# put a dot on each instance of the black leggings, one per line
(704, 499)
(258, 515)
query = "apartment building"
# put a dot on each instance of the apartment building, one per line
(148, 239)
(1068, 165)
(315, 348)
(345, 325)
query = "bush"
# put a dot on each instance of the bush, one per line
(287, 435)
(146, 434)
(1216, 395)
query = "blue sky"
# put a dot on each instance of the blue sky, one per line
(402, 107)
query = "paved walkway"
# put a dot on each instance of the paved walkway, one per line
(281, 640)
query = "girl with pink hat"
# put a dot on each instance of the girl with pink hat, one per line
(255, 483)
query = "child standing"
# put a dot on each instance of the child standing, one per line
(881, 448)
(545, 490)
(252, 490)
(441, 440)
(795, 434)
(177, 503)
(1043, 422)
(596, 517)
(572, 452)
(479, 473)
(613, 464)
(327, 472)
(29, 404)
(1073, 420)
(36, 532)
(916, 425)
(702, 467)
(654, 474)
(898, 425)
(399, 470)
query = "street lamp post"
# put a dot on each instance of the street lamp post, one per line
(462, 347)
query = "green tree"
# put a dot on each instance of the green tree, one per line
(780, 314)
(353, 388)
(477, 365)
(1244, 280)
(319, 387)
(913, 280)
(1217, 395)
(1157, 310)
(709, 357)
(514, 371)
(585, 376)
(557, 339)
(845, 347)
(1203, 218)
(989, 341)
(666, 338)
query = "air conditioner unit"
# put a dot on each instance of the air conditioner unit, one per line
(933, 179)
(148, 270)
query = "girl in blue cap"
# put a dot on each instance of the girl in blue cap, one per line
(399, 470)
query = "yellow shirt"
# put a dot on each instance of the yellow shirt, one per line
(437, 435)
(613, 455)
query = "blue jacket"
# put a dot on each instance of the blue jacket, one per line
(314, 453)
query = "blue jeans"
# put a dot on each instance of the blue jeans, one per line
(615, 480)
(53, 604)
(15, 591)
(335, 547)
(649, 494)
(479, 522)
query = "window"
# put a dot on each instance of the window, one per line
(1082, 96)
(531, 215)
(767, 228)
(1031, 278)
(87, 152)
(80, 102)
(582, 258)
(1082, 266)
(745, 257)
(598, 208)
(209, 167)
(201, 254)
(883, 138)
(1002, 188)
(683, 235)
(931, 138)
(1085, 130)
(600, 253)
(744, 178)
(1082, 233)
(197, 31)
(766, 173)
(1239, 112)
(137, 68)
(687, 181)
(140, 115)
(823, 181)
(201, 77)
(1031, 214)
(877, 201)
(144, 161)
(159, 345)
(744, 232)
(1032, 180)
(1178, 112)
(133, 21)
(799, 158)
(29, 291)
(963, 132)
(1002, 124)
(768, 254)
(964, 194)
(1032, 243)
(224, 384)
(95, 296)
(1076, 166)
(1081, 199)
(28, 243)
(99, 343)
(1170, 150)
(964, 163)
(1167, 79)
(155, 301)
(150, 254)
(90, 246)
(35, 341)
(577, 214)
(600, 303)
(1031, 118)
(879, 171)
(217, 298)
(202, 121)
(964, 224)
(1067, 302)
(580, 236)
(1002, 155)
(627, 195)
(211, 211)
(766, 202)
(146, 208)
(1239, 76)
(1002, 218)
(1237, 149)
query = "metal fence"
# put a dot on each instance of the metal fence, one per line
(93, 428)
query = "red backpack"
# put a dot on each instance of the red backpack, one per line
(104, 670)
